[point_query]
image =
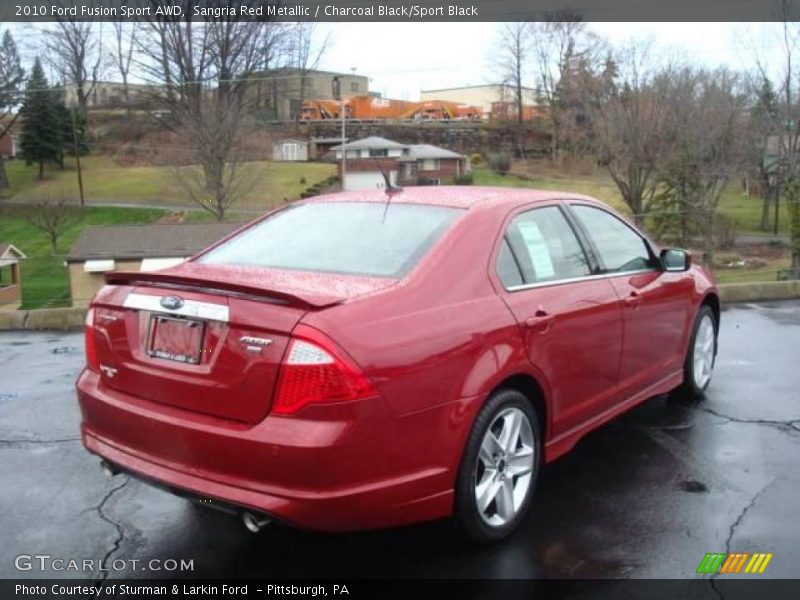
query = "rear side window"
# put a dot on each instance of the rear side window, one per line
(507, 268)
(356, 238)
(620, 247)
(544, 248)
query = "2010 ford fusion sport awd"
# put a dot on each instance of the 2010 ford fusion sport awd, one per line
(362, 360)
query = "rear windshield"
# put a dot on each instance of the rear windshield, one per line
(357, 238)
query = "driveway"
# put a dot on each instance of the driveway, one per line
(646, 496)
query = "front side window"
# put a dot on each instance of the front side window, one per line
(620, 247)
(543, 248)
(355, 238)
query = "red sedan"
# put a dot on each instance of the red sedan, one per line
(360, 361)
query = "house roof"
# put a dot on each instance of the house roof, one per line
(372, 142)
(422, 151)
(159, 240)
(328, 140)
(410, 151)
(10, 252)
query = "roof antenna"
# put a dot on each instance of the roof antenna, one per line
(390, 188)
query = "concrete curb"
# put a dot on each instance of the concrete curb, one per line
(753, 292)
(72, 318)
(43, 318)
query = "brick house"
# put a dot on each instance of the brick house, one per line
(8, 145)
(406, 164)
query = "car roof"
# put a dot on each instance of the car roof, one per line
(453, 196)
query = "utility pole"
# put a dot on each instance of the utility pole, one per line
(77, 150)
(336, 85)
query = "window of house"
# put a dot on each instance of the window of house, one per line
(377, 152)
(429, 164)
(353, 86)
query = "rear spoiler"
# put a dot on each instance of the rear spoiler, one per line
(168, 280)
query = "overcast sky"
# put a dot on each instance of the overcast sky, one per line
(403, 58)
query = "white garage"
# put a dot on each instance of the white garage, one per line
(290, 150)
(367, 180)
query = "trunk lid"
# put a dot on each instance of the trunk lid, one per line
(210, 340)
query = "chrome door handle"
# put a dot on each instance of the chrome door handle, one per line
(540, 321)
(632, 300)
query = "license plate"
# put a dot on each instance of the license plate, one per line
(176, 339)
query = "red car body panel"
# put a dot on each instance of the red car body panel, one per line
(434, 344)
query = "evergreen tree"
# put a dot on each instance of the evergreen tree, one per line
(42, 131)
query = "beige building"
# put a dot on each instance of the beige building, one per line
(483, 96)
(111, 94)
(99, 250)
(279, 91)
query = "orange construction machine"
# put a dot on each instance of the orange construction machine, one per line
(442, 110)
(356, 107)
(371, 107)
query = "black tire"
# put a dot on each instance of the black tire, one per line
(690, 389)
(469, 522)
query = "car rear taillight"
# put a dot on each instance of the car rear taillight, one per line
(313, 371)
(91, 344)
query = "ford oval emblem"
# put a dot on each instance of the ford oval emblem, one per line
(172, 302)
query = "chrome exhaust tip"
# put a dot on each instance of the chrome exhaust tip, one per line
(108, 469)
(255, 523)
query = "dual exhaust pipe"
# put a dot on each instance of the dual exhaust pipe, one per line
(253, 522)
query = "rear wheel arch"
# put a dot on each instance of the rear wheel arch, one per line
(712, 300)
(527, 385)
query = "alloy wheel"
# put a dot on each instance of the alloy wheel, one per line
(504, 468)
(703, 354)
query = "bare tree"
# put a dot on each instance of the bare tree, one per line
(762, 158)
(632, 127)
(709, 145)
(12, 77)
(784, 141)
(305, 51)
(124, 45)
(274, 41)
(511, 60)
(51, 216)
(202, 69)
(74, 52)
(559, 43)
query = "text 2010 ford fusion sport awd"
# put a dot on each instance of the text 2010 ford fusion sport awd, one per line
(358, 361)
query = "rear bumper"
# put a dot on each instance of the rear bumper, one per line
(344, 467)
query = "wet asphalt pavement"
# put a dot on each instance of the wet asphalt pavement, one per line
(643, 497)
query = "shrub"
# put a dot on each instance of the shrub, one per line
(475, 158)
(465, 179)
(499, 162)
(725, 231)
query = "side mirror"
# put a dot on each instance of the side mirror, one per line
(673, 259)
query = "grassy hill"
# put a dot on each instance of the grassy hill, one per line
(106, 181)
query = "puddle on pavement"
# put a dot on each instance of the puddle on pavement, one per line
(9, 396)
(661, 412)
(65, 350)
(558, 558)
(693, 487)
